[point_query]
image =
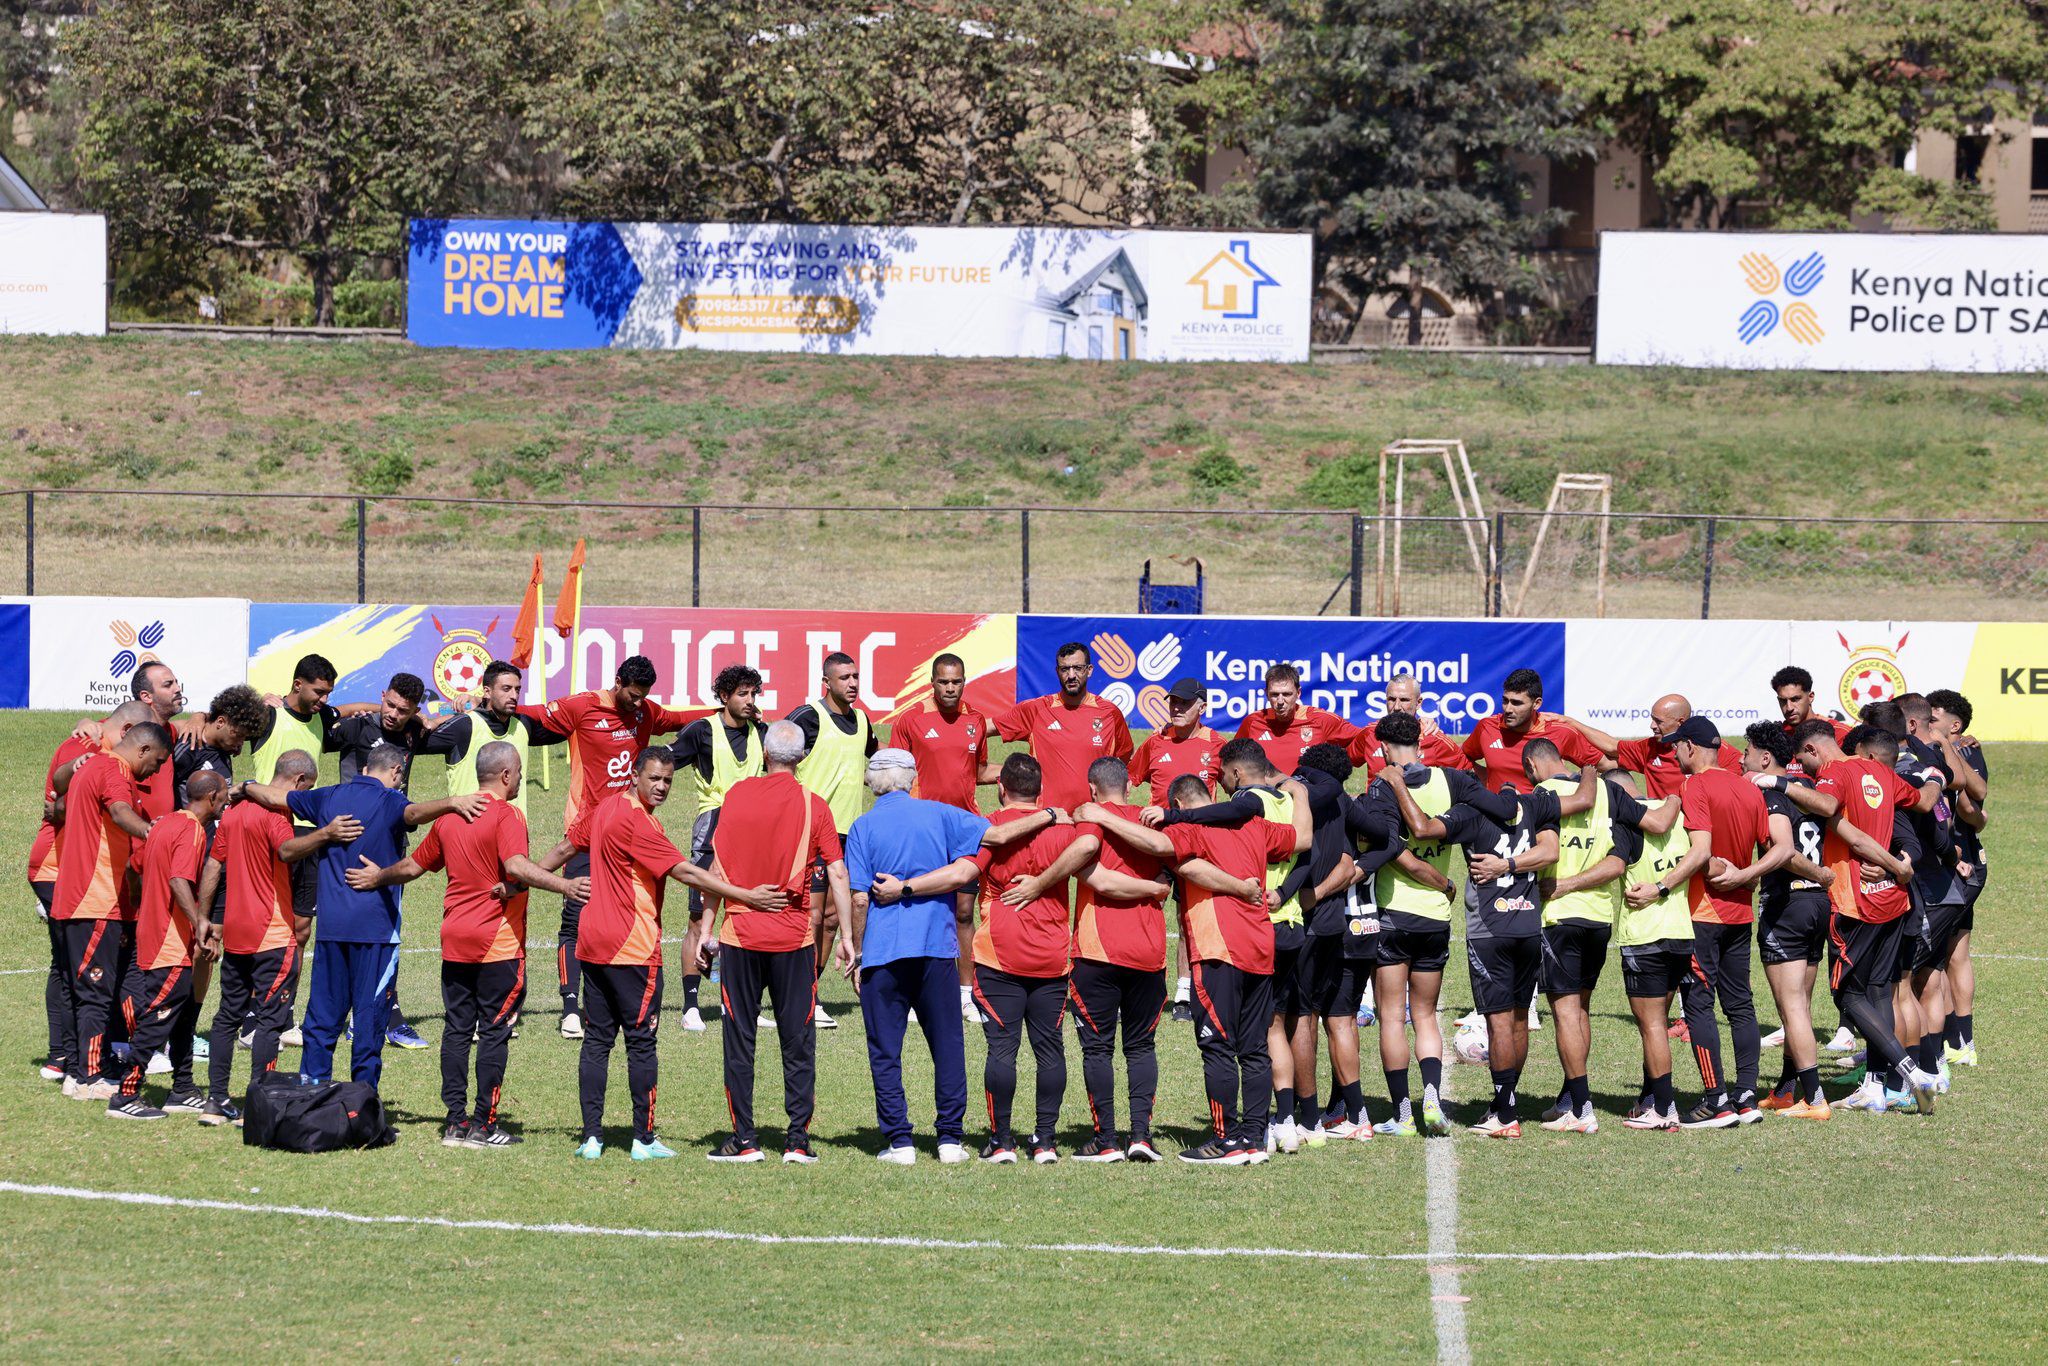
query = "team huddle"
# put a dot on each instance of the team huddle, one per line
(1306, 911)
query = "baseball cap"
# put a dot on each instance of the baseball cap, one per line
(1698, 730)
(1186, 690)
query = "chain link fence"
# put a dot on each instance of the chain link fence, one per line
(1287, 562)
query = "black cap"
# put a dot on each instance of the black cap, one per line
(1186, 690)
(1698, 730)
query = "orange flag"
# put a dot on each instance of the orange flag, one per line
(528, 622)
(569, 606)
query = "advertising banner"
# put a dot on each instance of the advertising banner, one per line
(14, 656)
(448, 647)
(1824, 301)
(1619, 668)
(82, 653)
(1081, 293)
(1344, 663)
(53, 273)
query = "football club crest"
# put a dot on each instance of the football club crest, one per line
(465, 654)
(1871, 675)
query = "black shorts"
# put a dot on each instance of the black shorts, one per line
(1503, 972)
(1863, 956)
(1795, 932)
(1968, 921)
(46, 892)
(1933, 936)
(1420, 950)
(1336, 981)
(1290, 978)
(1574, 952)
(305, 881)
(1650, 971)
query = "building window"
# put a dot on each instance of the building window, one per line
(2040, 180)
(1111, 301)
(1571, 189)
(1970, 152)
(1055, 338)
(1095, 341)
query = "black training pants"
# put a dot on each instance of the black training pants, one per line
(1232, 1011)
(58, 1005)
(478, 999)
(1011, 1006)
(619, 997)
(1720, 968)
(259, 987)
(1105, 995)
(567, 968)
(790, 979)
(151, 1008)
(91, 952)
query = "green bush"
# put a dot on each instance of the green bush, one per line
(381, 471)
(1215, 471)
(369, 303)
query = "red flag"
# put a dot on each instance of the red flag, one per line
(527, 624)
(569, 606)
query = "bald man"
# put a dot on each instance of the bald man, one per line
(1404, 695)
(1651, 756)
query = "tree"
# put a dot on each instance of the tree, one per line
(304, 127)
(1392, 130)
(752, 110)
(1798, 115)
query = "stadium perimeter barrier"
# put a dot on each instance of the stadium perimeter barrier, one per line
(1036, 558)
(78, 654)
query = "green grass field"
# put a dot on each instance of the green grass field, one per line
(186, 1283)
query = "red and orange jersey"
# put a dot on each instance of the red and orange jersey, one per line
(1229, 929)
(949, 753)
(602, 742)
(1498, 750)
(176, 848)
(1655, 760)
(1732, 812)
(771, 832)
(476, 927)
(93, 854)
(1438, 751)
(1305, 726)
(259, 883)
(1871, 796)
(1130, 934)
(1161, 757)
(630, 859)
(1029, 940)
(42, 853)
(1066, 740)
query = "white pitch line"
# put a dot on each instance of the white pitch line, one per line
(1446, 1300)
(150, 1199)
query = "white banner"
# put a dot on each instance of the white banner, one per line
(1857, 662)
(1616, 669)
(1079, 293)
(53, 273)
(1823, 301)
(85, 651)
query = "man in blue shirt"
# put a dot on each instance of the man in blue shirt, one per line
(905, 859)
(355, 951)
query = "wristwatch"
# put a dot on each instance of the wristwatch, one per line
(1663, 891)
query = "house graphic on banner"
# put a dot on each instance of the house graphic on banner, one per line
(1230, 282)
(1099, 313)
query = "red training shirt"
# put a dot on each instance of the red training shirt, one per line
(1066, 740)
(602, 742)
(1662, 777)
(1160, 758)
(770, 832)
(1437, 751)
(1499, 751)
(1229, 929)
(259, 883)
(1731, 810)
(92, 858)
(1130, 934)
(1871, 796)
(476, 927)
(42, 853)
(1028, 940)
(630, 859)
(949, 754)
(176, 848)
(1307, 726)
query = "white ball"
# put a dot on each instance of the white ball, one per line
(1469, 1045)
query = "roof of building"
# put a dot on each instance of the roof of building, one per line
(16, 194)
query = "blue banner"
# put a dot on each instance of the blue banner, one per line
(514, 283)
(14, 654)
(1344, 663)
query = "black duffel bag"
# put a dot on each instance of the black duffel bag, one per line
(330, 1117)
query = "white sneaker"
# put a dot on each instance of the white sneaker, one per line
(1272, 1139)
(96, 1090)
(953, 1154)
(1290, 1136)
(904, 1156)
(159, 1064)
(1843, 1042)
(247, 1039)
(70, 1088)
(822, 1020)
(693, 1020)
(48, 1073)
(970, 1012)
(764, 1021)
(1775, 1039)
(572, 1025)
(295, 1037)
(1868, 1096)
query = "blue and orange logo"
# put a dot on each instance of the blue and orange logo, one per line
(136, 648)
(1230, 281)
(1764, 316)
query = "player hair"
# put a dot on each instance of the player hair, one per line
(1811, 728)
(1073, 647)
(1283, 672)
(131, 713)
(314, 669)
(1110, 775)
(1189, 790)
(383, 758)
(1245, 752)
(409, 687)
(496, 756)
(1328, 758)
(1952, 702)
(242, 707)
(295, 763)
(1884, 714)
(1915, 707)
(1399, 728)
(140, 684)
(637, 671)
(1773, 740)
(1527, 682)
(948, 658)
(1022, 777)
(834, 660)
(882, 781)
(654, 754)
(203, 784)
(732, 678)
(1873, 743)
(783, 743)
(1792, 676)
(1539, 751)
(149, 733)
(496, 670)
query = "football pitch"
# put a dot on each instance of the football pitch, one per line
(1894, 1236)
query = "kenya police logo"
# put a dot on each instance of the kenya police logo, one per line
(135, 648)
(465, 654)
(1764, 316)
(1871, 675)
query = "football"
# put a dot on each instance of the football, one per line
(1469, 1044)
